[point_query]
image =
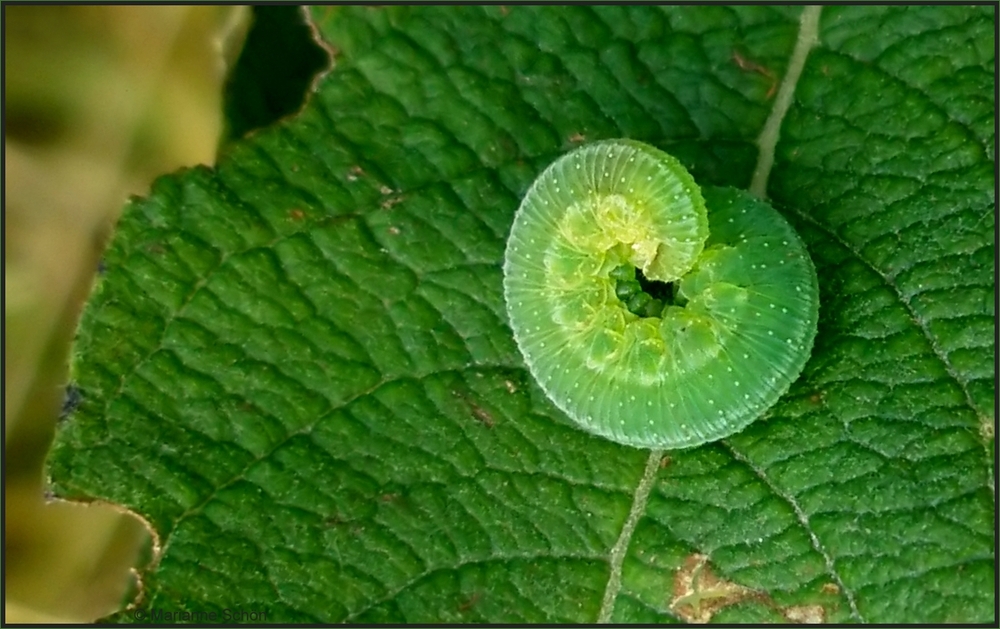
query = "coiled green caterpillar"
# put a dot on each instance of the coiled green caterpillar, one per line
(652, 312)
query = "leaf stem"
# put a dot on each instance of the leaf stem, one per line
(617, 556)
(808, 37)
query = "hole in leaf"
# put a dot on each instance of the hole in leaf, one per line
(274, 72)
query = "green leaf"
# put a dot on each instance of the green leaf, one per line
(297, 366)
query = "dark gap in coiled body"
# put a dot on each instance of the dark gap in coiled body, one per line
(643, 297)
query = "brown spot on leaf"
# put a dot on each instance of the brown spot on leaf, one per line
(699, 593)
(393, 230)
(333, 520)
(470, 602)
(511, 388)
(748, 65)
(481, 414)
(384, 189)
(664, 462)
(296, 214)
(388, 203)
(355, 172)
(576, 138)
(805, 614)
(830, 588)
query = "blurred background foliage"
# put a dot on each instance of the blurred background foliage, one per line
(99, 101)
